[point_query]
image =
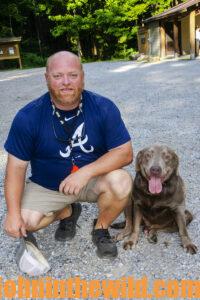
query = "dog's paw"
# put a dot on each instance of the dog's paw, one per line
(152, 238)
(128, 245)
(131, 241)
(191, 248)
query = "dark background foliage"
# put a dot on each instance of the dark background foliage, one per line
(94, 29)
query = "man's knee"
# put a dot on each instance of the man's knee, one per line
(31, 218)
(119, 182)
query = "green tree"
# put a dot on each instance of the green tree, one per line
(100, 28)
(10, 15)
(23, 18)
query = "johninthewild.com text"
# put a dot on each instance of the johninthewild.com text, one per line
(123, 288)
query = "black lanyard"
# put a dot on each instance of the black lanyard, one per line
(69, 130)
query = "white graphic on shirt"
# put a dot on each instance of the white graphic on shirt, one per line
(67, 119)
(77, 141)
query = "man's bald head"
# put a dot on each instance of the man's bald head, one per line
(64, 56)
(65, 79)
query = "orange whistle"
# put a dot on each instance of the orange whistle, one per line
(74, 169)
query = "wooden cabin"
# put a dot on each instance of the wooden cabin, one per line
(171, 33)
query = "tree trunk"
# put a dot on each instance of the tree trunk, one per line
(79, 47)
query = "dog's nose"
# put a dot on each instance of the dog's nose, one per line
(155, 170)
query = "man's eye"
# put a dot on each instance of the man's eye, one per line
(57, 76)
(73, 75)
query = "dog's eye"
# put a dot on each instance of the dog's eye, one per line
(167, 157)
(148, 155)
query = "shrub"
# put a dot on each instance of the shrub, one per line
(31, 60)
(123, 52)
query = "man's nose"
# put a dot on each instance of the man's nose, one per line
(65, 79)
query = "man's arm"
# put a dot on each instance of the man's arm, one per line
(112, 160)
(14, 188)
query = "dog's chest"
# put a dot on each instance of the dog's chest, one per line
(153, 211)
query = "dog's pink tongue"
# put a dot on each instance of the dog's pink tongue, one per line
(155, 185)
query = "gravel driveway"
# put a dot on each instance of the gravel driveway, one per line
(159, 102)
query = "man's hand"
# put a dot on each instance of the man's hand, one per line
(114, 159)
(14, 226)
(73, 183)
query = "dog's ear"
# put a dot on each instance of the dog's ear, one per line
(175, 162)
(138, 160)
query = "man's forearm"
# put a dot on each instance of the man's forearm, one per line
(14, 188)
(113, 160)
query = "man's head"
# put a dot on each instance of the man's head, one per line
(65, 79)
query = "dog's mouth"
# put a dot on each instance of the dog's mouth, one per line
(155, 184)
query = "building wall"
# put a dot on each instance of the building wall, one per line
(185, 34)
(198, 20)
(143, 41)
(154, 39)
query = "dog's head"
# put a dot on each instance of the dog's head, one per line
(157, 163)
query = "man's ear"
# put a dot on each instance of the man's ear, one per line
(46, 76)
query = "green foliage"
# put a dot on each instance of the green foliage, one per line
(110, 26)
(124, 53)
(12, 14)
(31, 60)
(93, 28)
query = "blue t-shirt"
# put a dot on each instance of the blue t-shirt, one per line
(36, 135)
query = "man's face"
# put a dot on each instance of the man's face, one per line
(65, 81)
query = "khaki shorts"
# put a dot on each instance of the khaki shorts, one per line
(47, 201)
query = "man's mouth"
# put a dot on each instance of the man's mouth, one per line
(66, 90)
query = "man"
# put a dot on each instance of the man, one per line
(76, 143)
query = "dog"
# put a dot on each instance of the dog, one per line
(158, 198)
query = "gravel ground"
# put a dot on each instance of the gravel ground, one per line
(159, 103)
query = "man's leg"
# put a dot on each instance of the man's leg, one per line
(41, 207)
(36, 220)
(114, 190)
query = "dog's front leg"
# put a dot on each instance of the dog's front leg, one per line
(133, 239)
(181, 223)
(129, 222)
